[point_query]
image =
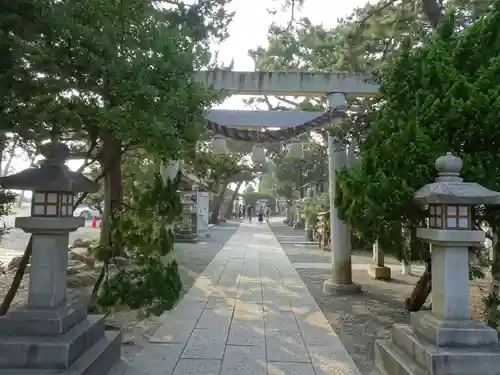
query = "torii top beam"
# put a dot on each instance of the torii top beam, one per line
(290, 83)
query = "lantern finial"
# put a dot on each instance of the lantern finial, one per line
(448, 167)
(55, 153)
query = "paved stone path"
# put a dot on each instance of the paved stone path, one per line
(249, 313)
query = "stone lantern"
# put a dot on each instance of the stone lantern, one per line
(188, 231)
(50, 333)
(446, 341)
(296, 205)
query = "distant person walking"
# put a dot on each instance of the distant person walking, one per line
(268, 213)
(249, 213)
(261, 214)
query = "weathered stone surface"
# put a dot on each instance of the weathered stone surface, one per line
(332, 288)
(81, 254)
(75, 267)
(79, 242)
(14, 263)
(82, 279)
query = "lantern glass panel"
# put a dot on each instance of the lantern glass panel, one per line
(52, 210)
(435, 219)
(439, 223)
(463, 223)
(51, 197)
(451, 223)
(45, 204)
(451, 211)
(66, 204)
(463, 211)
(39, 198)
(39, 210)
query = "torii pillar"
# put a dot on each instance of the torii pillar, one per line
(340, 235)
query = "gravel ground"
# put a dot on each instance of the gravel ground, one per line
(360, 319)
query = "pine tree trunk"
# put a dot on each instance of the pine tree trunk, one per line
(219, 198)
(113, 189)
(421, 291)
(229, 211)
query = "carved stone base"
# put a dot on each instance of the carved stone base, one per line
(63, 340)
(434, 347)
(186, 236)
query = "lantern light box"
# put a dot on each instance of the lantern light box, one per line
(449, 216)
(52, 204)
(449, 199)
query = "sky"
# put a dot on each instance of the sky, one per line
(246, 33)
(249, 30)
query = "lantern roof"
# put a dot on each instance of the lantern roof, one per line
(52, 175)
(450, 188)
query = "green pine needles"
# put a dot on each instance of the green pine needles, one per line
(442, 96)
(146, 233)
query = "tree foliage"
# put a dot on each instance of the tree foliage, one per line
(153, 285)
(113, 79)
(291, 173)
(439, 97)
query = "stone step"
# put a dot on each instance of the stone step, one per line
(42, 322)
(446, 360)
(57, 352)
(391, 360)
(98, 360)
(404, 338)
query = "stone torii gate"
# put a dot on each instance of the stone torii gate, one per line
(335, 86)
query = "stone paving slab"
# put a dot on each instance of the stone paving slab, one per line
(248, 313)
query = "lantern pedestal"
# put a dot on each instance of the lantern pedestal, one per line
(48, 334)
(378, 270)
(445, 341)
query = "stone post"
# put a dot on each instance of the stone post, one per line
(378, 270)
(308, 227)
(445, 341)
(405, 268)
(340, 237)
